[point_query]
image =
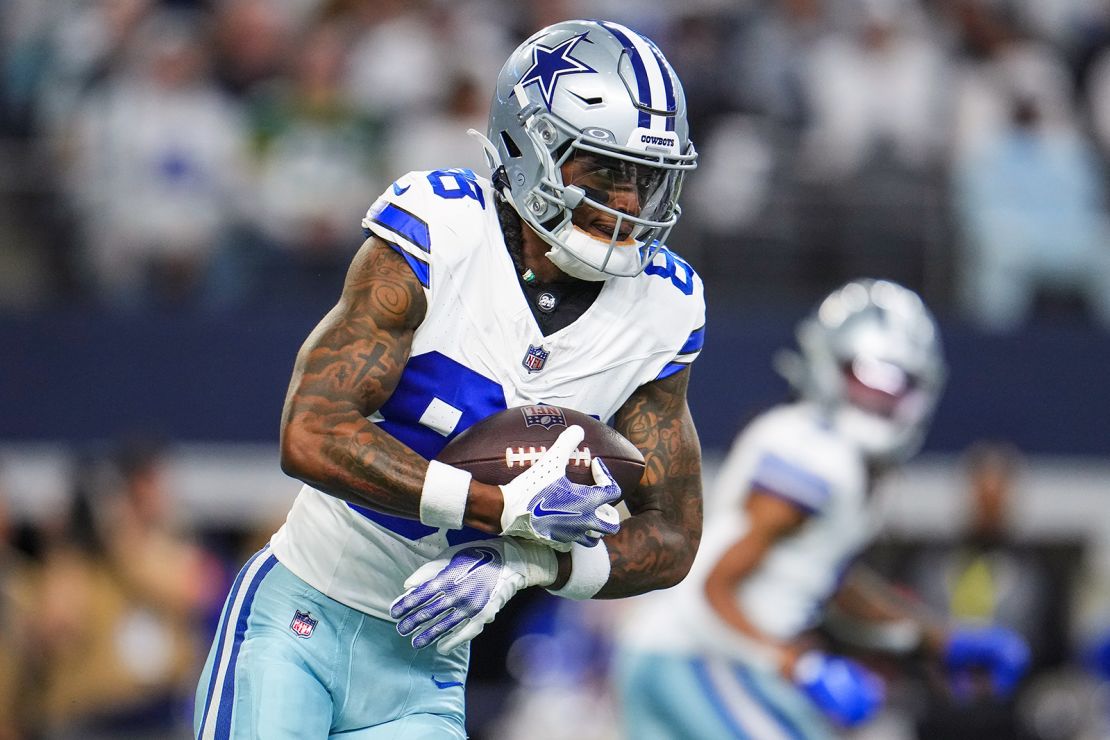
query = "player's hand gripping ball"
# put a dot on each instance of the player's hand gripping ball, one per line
(559, 470)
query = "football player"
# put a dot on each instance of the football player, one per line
(547, 283)
(726, 653)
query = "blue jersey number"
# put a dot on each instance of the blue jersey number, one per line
(671, 269)
(434, 379)
(456, 183)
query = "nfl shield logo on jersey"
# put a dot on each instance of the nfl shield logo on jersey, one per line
(303, 624)
(543, 416)
(536, 357)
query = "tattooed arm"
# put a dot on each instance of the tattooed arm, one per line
(347, 368)
(656, 545)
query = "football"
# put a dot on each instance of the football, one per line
(498, 448)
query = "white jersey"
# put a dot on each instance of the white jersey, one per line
(478, 351)
(787, 452)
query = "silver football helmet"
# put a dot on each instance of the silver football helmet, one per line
(598, 103)
(871, 359)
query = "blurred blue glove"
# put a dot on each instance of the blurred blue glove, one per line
(1096, 656)
(844, 690)
(999, 652)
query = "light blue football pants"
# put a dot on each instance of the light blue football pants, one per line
(289, 662)
(666, 697)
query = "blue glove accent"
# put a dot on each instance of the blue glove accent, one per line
(1096, 656)
(568, 512)
(844, 690)
(1001, 653)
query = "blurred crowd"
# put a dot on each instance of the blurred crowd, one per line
(108, 605)
(217, 154)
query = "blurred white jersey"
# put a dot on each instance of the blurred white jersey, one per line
(478, 351)
(787, 452)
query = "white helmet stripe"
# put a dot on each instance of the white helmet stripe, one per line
(645, 60)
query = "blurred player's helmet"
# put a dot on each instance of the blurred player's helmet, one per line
(871, 358)
(600, 98)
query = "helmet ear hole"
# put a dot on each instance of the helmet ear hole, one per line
(510, 146)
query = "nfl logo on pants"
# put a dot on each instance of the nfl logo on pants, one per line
(535, 358)
(303, 624)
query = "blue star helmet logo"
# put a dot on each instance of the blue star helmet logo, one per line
(551, 63)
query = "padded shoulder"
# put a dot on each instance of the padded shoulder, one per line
(676, 296)
(428, 210)
(799, 459)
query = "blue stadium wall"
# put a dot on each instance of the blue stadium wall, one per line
(75, 378)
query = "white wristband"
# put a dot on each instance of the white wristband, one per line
(443, 499)
(589, 571)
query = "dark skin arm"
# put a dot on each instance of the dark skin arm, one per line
(347, 368)
(868, 597)
(770, 519)
(656, 545)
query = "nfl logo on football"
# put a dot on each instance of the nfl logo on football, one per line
(543, 416)
(535, 358)
(303, 624)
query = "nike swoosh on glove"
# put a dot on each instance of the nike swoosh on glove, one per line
(449, 600)
(542, 504)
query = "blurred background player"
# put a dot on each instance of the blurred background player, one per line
(728, 653)
(549, 284)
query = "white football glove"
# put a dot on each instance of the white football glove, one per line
(449, 600)
(542, 504)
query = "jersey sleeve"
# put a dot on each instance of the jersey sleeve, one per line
(799, 463)
(795, 483)
(685, 292)
(687, 353)
(395, 219)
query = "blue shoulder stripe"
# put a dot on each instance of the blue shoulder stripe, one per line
(695, 342)
(420, 267)
(785, 479)
(671, 368)
(400, 221)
